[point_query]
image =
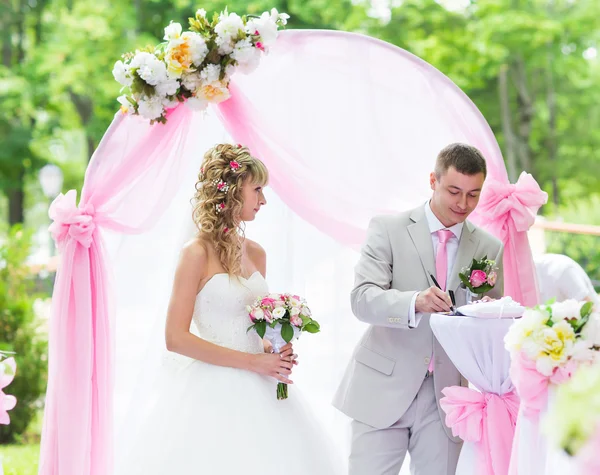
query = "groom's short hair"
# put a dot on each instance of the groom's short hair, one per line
(466, 159)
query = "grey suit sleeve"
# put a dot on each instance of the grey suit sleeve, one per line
(372, 299)
(498, 290)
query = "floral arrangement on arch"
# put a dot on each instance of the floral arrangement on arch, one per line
(194, 66)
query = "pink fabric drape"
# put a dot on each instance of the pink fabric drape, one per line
(508, 211)
(127, 184)
(484, 418)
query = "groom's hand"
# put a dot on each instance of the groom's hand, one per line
(433, 300)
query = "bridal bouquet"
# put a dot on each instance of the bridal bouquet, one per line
(573, 421)
(547, 345)
(280, 318)
(194, 66)
(8, 367)
(480, 277)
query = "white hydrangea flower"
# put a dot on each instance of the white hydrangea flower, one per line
(191, 81)
(229, 26)
(122, 74)
(225, 45)
(150, 68)
(150, 107)
(198, 47)
(211, 73)
(246, 55)
(167, 88)
(196, 104)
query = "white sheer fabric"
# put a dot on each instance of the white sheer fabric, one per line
(476, 347)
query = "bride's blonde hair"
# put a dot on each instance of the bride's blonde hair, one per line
(218, 199)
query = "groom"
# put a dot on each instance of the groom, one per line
(393, 383)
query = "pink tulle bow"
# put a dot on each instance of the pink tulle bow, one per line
(508, 211)
(71, 221)
(486, 419)
(6, 402)
(505, 203)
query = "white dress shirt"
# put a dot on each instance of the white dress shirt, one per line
(451, 248)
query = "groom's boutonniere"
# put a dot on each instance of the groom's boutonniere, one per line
(480, 277)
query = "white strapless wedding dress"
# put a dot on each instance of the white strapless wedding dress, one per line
(213, 420)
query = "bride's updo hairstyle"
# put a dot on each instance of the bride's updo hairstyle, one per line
(218, 199)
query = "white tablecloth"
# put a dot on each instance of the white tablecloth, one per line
(476, 347)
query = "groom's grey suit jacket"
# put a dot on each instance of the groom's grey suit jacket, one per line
(391, 360)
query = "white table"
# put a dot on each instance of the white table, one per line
(476, 347)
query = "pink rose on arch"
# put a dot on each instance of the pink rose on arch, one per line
(296, 321)
(478, 278)
(492, 277)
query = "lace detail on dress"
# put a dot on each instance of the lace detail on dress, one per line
(220, 311)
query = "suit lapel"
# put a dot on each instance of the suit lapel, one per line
(466, 251)
(421, 238)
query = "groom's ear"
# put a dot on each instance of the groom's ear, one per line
(432, 180)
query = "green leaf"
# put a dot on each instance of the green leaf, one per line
(287, 332)
(586, 309)
(312, 327)
(261, 328)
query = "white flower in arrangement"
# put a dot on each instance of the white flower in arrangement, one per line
(126, 106)
(196, 104)
(246, 55)
(167, 88)
(294, 302)
(191, 81)
(295, 311)
(229, 26)
(149, 68)
(591, 331)
(150, 107)
(122, 73)
(198, 48)
(279, 17)
(211, 73)
(278, 312)
(568, 309)
(173, 31)
(266, 29)
(201, 12)
(532, 320)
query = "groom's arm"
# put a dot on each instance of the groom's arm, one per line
(372, 299)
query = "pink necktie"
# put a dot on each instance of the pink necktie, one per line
(441, 267)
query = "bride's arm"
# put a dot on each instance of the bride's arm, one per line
(191, 270)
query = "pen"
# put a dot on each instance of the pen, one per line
(450, 292)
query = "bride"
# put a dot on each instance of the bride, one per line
(220, 414)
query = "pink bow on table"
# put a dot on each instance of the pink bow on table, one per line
(71, 221)
(7, 402)
(487, 419)
(508, 211)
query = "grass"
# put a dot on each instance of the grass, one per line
(20, 459)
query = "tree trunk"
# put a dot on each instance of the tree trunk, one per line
(525, 113)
